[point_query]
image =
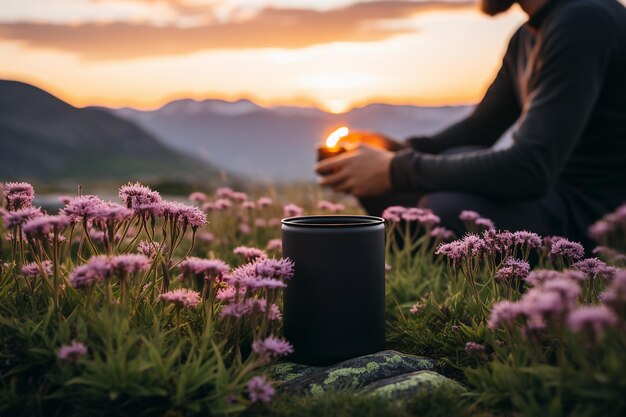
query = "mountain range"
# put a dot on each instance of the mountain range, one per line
(45, 138)
(276, 143)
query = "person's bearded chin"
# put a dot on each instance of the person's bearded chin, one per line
(494, 7)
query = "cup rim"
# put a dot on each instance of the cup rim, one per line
(333, 221)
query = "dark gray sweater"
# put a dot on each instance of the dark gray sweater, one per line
(563, 83)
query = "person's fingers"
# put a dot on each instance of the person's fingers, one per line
(344, 187)
(331, 164)
(334, 178)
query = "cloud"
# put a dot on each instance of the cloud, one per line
(270, 27)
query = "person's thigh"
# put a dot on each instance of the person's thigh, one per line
(539, 216)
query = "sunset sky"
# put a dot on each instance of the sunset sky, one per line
(330, 53)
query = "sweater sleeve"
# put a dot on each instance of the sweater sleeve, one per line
(566, 81)
(495, 113)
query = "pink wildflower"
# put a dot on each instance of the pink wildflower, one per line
(18, 195)
(222, 204)
(416, 308)
(594, 267)
(274, 245)
(249, 253)
(600, 230)
(260, 389)
(272, 347)
(273, 222)
(513, 269)
(524, 238)
(474, 348)
(591, 321)
(206, 237)
(498, 242)
(236, 310)
(291, 210)
(503, 314)
(274, 268)
(615, 294)
(72, 352)
(239, 196)
(182, 213)
(33, 270)
(260, 222)
(111, 212)
(130, 263)
(97, 269)
(469, 216)
(224, 192)
(181, 298)
(19, 217)
(138, 195)
(207, 268)
(82, 208)
(567, 249)
(442, 234)
(394, 213)
(486, 223)
(44, 225)
(264, 202)
(147, 248)
(248, 205)
(198, 197)
(244, 229)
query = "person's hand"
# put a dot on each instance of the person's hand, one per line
(373, 139)
(362, 172)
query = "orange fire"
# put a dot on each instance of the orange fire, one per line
(335, 137)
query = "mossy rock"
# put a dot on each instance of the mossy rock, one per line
(411, 384)
(352, 374)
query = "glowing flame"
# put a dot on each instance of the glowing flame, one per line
(333, 138)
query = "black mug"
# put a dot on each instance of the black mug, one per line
(334, 306)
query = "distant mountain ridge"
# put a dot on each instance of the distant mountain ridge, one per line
(275, 143)
(43, 137)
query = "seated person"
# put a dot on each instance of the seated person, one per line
(562, 85)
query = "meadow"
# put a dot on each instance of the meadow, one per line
(149, 307)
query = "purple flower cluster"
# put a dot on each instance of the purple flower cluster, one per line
(182, 297)
(20, 216)
(182, 213)
(442, 234)
(272, 347)
(569, 250)
(72, 352)
(513, 269)
(611, 223)
(592, 321)
(33, 269)
(274, 245)
(425, 217)
(100, 268)
(291, 210)
(18, 195)
(130, 263)
(249, 253)
(615, 295)
(539, 277)
(595, 268)
(42, 226)
(260, 389)
(206, 268)
(474, 348)
(538, 306)
(139, 197)
(330, 206)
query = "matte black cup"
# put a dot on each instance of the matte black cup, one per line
(334, 306)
